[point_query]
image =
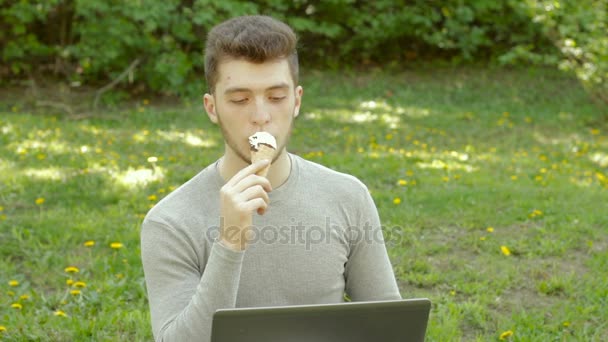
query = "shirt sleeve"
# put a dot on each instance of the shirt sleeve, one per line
(369, 274)
(182, 300)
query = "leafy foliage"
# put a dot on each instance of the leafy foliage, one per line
(579, 29)
(93, 41)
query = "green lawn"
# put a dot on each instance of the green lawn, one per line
(492, 186)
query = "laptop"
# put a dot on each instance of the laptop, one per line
(395, 320)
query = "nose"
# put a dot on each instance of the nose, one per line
(261, 113)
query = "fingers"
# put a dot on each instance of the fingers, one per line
(256, 192)
(249, 170)
(251, 181)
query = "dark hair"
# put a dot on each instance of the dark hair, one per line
(255, 38)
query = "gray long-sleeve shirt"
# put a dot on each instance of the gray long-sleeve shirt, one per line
(319, 239)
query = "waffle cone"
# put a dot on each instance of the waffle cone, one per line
(263, 152)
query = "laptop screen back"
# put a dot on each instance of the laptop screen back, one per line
(388, 321)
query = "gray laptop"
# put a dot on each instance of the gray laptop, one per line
(387, 321)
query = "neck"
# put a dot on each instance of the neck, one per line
(279, 171)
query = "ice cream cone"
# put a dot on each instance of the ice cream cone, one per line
(264, 152)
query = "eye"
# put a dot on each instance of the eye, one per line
(239, 101)
(277, 98)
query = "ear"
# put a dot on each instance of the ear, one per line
(209, 103)
(299, 92)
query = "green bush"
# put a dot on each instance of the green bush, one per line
(94, 41)
(579, 29)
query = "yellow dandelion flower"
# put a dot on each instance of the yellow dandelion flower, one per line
(24, 297)
(2, 328)
(566, 324)
(397, 200)
(71, 269)
(445, 179)
(39, 200)
(2, 217)
(402, 182)
(69, 282)
(1, 208)
(505, 250)
(595, 131)
(80, 284)
(89, 243)
(452, 293)
(490, 229)
(75, 292)
(506, 335)
(389, 136)
(152, 198)
(119, 276)
(60, 313)
(17, 306)
(116, 245)
(13, 283)
(514, 177)
(482, 238)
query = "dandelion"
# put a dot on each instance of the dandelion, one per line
(506, 335)
(514, 177)
(2, 328)
(71, 269)
(75, 292)
(69, 282)
(13, 283)
(24, 297)
(116, 245)
(80, 284)
(505, 250)
(452, 293)
(402, 182)
(60, 313)
(17, 306)
(535, 213)
(482, 238)
(389, 136)
(490, 229)
(89, 243)
(595, 131)
(445, 179)
(39, 200)
(1, 208)
(152, 198)
(397, 200)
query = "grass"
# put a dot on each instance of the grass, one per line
(465, 165)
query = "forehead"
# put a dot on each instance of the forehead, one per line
(242, 74)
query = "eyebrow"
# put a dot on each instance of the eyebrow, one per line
(241, 89)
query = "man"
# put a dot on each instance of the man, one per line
(229, 238)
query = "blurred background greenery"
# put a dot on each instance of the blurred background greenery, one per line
(157, 45)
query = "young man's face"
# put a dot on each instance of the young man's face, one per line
(250, 98)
